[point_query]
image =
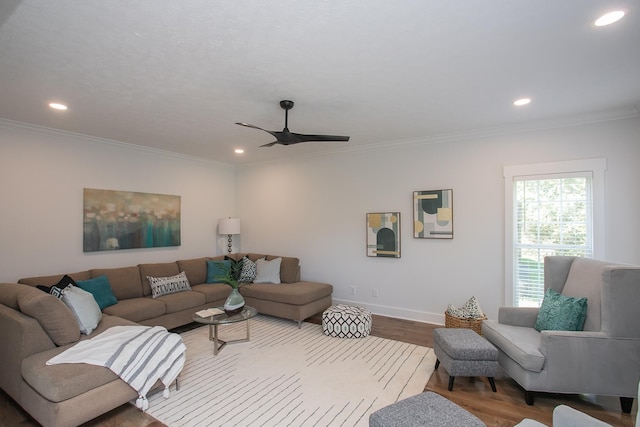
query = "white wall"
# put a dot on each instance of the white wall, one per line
(314, 208)
(42, 176)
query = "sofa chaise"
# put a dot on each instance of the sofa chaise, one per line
(35, 326)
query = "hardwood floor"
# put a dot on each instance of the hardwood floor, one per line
(505, 408)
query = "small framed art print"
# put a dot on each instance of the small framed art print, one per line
(383, 234)
(433, 214)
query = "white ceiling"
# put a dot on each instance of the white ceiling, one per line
(177, 75)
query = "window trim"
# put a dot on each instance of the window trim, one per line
(596, 167)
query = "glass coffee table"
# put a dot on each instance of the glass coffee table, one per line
(224, 319)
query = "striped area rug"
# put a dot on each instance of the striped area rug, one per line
(287, 376)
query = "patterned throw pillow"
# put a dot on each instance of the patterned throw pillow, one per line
(57, 289)
(168, 285)
(249, 271)
(561, 313)
(470, 310)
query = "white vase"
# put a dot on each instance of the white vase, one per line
(234, 303)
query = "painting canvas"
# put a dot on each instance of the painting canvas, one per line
(433, 214)
(116, 220)
(383, 234)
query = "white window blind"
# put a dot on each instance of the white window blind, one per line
(552, 216)
(550, 209)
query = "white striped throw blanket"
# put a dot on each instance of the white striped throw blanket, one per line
(140, 355)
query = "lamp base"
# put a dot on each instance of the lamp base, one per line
(229, 243)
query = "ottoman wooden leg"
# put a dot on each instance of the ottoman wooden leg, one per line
(437, 363)
(493, 384)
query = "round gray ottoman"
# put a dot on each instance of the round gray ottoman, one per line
(464, 353)
(425, 409)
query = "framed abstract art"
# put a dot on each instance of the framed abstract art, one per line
(114, 220)
(383, 234)
(433, 214)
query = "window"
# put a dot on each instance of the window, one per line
(551, 209)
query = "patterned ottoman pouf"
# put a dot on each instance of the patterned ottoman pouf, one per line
(346, 321)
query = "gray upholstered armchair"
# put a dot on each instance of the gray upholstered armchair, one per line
(603, 359)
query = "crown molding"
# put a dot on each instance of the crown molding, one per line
(473, 134)
(82, 138)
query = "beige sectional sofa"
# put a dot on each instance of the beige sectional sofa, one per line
(35, 326)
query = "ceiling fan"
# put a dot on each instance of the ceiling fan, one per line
(287, 138)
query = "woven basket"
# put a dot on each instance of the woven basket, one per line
(458, 322)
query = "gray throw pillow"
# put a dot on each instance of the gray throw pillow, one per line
(268, 271)
(84, 307)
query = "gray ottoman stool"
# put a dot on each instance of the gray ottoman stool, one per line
(425, 409)
(464, 353)
(346, 321)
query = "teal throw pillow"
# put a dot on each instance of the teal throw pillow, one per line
(561, 313)
(100, 288)
(217, 268)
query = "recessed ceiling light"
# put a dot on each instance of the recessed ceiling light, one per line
(57, 106)
(609, 18)
(238, 151)
(522, 101)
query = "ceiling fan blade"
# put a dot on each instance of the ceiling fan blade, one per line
(271, 144)
(250, 126)
(287, 138)
(320, 138)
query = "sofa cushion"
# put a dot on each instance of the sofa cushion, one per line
(100, 288)
(520, 343)
(289, 269)
(196, 270)
(561, 313)
(53, 279)
(163, 269)
(125, 281)
(168, 285)
(299, 293)
(137, 309)
(84, 307)
(61, 382)
(182, 300)
(268, 271)
(52, 314)
(585, 280)
(213, 291)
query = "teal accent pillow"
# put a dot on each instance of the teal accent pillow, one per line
(561, 313)
(217, 268)
(100, 288)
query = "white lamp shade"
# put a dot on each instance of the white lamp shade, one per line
(229, 226)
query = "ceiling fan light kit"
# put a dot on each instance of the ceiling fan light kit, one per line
(288, 138)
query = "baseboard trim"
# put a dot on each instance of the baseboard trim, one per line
(398, 313)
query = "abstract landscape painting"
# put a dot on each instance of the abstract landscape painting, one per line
(116, 220)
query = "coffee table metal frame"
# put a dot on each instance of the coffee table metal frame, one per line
(224, 319)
